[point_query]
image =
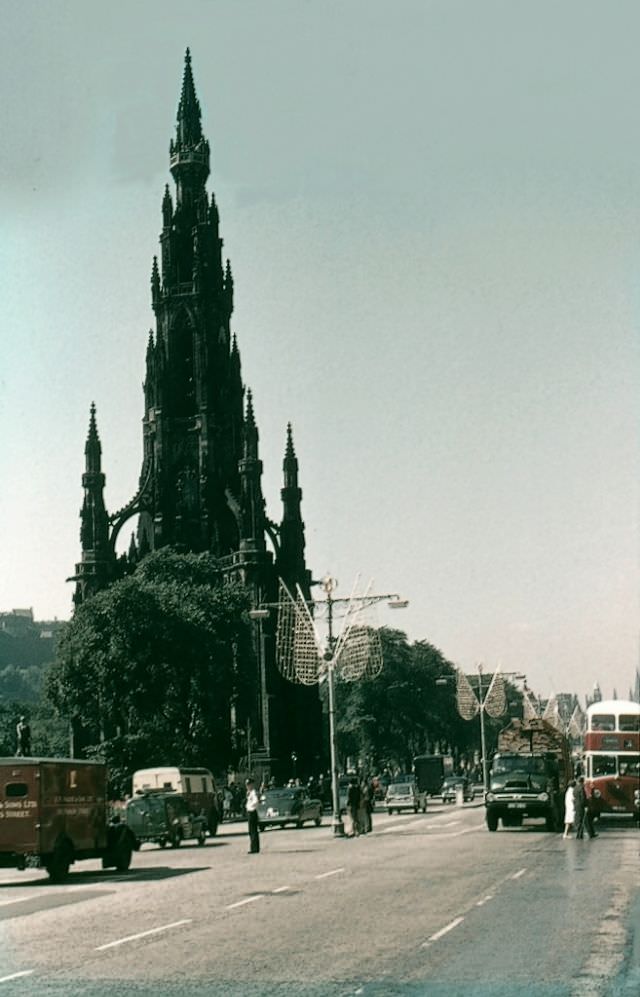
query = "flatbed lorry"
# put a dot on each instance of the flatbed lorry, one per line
(529, 775)
(53, 812)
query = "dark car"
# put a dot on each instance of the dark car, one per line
(164, 818)
(279, 807)
(449, 787)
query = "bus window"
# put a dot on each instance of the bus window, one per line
(629, 723)
(603, 765)
(629, 765)
(603, 721)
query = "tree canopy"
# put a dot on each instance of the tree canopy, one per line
(404, 711)
(150, 666)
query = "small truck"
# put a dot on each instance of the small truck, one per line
(53, 812)
(529, 775)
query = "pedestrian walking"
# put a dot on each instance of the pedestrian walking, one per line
(251, 806)
(354, 796)
(569, 809)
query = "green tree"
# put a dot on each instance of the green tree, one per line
(151, 665)
(404, 711)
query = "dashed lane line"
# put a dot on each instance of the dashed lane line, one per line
(281, 889)
(16, 976)
(519, 873)
(444, 931)
(142, 934)
(485, 900)
(332, 872)
(247, 900)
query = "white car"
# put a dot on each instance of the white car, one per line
(404, 796)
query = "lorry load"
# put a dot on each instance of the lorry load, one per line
(529, 775)
(53, 812)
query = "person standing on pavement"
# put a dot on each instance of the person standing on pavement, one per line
(251, 806)
(569, 809)
(583, 817)
(354, 797)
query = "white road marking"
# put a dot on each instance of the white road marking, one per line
(481, 903)
(332, 872)
(247, 900)
(519, 873)
(281, 889)
(142, 934)
(444, 931)
(15, 976)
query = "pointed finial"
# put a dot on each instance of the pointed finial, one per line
(290, 451)
(92, 448)
(189, 127)
(250, 417)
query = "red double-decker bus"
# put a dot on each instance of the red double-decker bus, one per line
(612, 757)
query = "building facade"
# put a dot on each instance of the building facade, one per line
(200, 483)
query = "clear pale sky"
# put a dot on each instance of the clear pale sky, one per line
(432, 211)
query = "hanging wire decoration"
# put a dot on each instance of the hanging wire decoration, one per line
(297, 642)
(495, 702)
(466, 698)
(356, 654)
(529, 709)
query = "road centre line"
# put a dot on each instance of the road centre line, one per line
(444, 931)
(15, 976)
(247, 900)
(481, 903)
(332, 872)
(519, 873)
(142, 934)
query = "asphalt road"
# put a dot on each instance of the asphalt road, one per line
(428, 905)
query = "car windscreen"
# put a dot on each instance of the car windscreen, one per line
(280, 796)
(400, 790)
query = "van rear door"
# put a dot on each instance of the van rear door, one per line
(19, 810)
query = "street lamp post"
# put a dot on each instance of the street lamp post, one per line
(331, 657)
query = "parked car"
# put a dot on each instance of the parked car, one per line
(404, 796)
(164, 818)
(449, 787)
(279, 807)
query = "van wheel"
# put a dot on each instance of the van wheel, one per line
(492, 822)
(162, 842)
(202, 837)
(175, 838)
(261, 827)
(318, 821)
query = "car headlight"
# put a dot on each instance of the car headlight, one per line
(490, 797)
(597, 794)
(543, 797)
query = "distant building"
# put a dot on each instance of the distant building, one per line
(200, 483)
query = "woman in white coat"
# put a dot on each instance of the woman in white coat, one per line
(569, 809)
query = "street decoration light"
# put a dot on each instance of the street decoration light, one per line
(356, 652)
(493, 702)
